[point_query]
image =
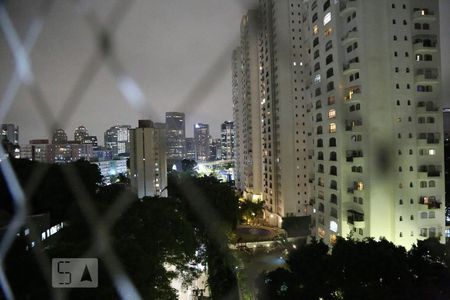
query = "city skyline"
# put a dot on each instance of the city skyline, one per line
(101, 141)
(204, 78)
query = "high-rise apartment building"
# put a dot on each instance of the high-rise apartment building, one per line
(350, 114)
(148, 165)
(92, 140)
(201, 138)
(176, 135)
(10, 133)
(246, 108)
(117, 138)
(59, 137)
(80, 134)
(227, 140)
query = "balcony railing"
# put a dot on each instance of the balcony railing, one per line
(425, 46)
(352, 94)
(430, 202)
(351, 124)
(423, 14)
(351, 155)
(346, 6)
(350, 37)
(355, 218)
(423, 107)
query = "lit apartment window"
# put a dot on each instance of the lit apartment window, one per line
(359, 186)
(327, 18)
(331, 114)
(328, 32)
(317, 79)
(332, 127)
(315, 29)
(431, 151)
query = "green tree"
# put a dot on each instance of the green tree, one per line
(249, 211)
(366, 269)
(212, 207)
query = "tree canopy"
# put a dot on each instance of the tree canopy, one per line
(366, 269)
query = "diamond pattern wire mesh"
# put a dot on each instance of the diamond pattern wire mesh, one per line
(23, 76)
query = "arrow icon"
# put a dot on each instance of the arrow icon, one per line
(86, 275)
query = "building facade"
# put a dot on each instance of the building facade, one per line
(111, 169)
(227, 140)
(59, 137)
(215, 149)
(10, 133)
(247, 108)
(176, 135)
(190, 149)
(36, 150)
(117, 138)
(80, 134)
(148, 160)
(201, 138)
(351, 117)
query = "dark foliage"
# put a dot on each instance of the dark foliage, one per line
(365, 269)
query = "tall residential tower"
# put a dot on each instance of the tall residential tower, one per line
(351, 118)
(148, 166)
(176, 136)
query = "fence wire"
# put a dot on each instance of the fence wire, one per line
(23, 76)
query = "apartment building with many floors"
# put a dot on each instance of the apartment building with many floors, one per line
(350, 116)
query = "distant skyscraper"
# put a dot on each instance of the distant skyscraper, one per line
(80, 134)
(176, 137)
(117, 138)
(10, 133)
(190, 148)
(214, 149)
(148, 163)
(227, 140)
(201, 137)
(92, 140)
(59, 137)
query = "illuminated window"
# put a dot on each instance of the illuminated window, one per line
(431, 151)
(328, 32)
(317, 79)
(315, 29)
(332, 127)
(359, 186)
(331, 114)
(327, 18)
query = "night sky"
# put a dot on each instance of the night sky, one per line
(178, 51)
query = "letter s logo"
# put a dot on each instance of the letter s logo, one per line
(67, 273)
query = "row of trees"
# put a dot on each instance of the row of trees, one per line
(365, 269)
(190, 227)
